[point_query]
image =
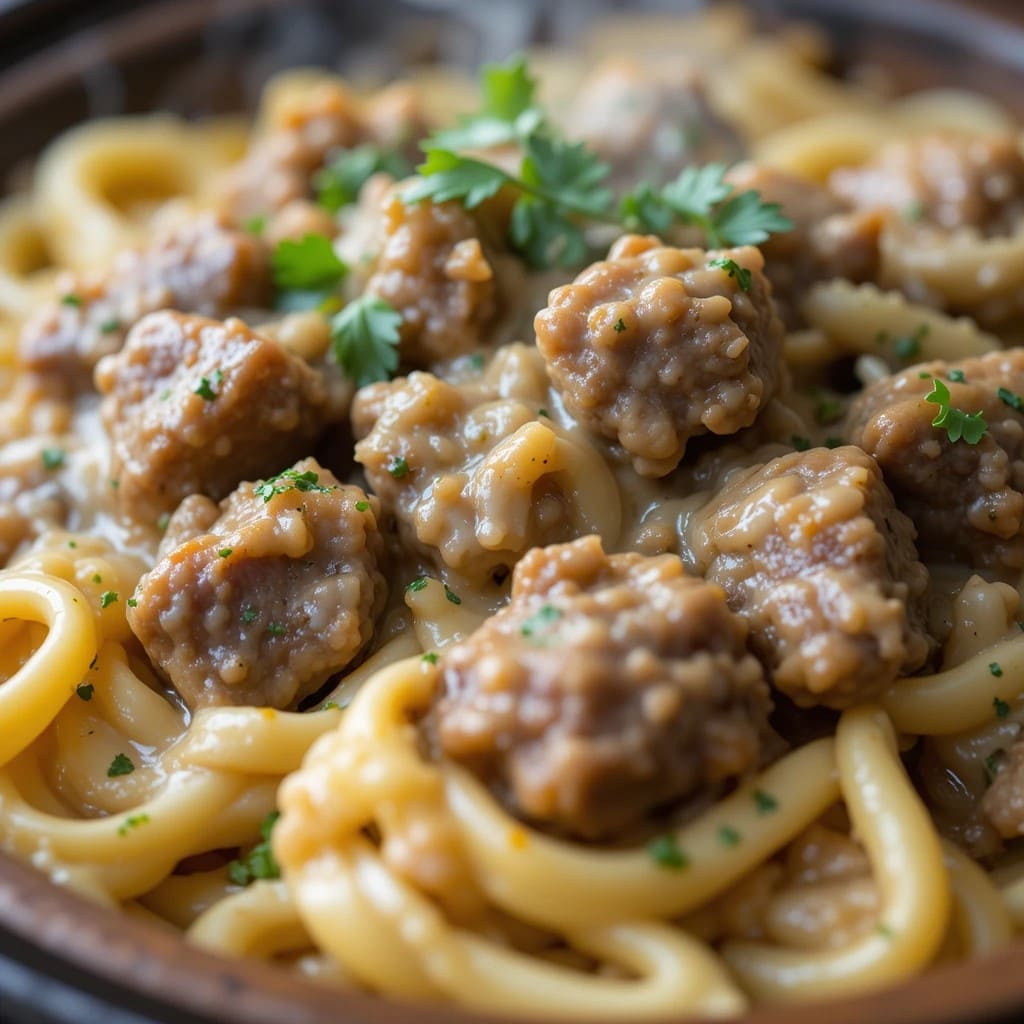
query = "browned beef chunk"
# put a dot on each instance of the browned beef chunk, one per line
(610, 687)
(203, 267)
(950, 181)
(434, 270)
(195, 405)
(259, 601)
(966, 500)
(813, 553)
(656, 345)
(828, 240)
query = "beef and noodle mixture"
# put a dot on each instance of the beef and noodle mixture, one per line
(549, 544)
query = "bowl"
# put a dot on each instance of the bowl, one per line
(65, 959)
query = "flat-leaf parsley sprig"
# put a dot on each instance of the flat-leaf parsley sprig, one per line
(509, 111)
(701, 196)
(559, 185)
(970, 427)
(365, 336)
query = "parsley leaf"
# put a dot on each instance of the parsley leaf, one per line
(559, 182)
(85, 691)
(365, 335)
(743, 277)
(508, 112)
(541, 620)
(259, 862)
(340, 181)
(701, 196)
(1007, 397)
(666, 853)
(1002, 708)
(971, 427)
(305, 271)
(53, 458)
(133, 821)
(289, 480)
(107, 598)
(121, 765)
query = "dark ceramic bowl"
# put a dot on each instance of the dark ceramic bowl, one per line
(65, 960)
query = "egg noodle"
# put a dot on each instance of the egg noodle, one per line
(402, 873)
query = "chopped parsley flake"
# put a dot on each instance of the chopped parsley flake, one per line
(224, 552)
(995, 668)
(85, 691)
(620, 326)
(430, 657)
(827, 408)
(544, 413)
(207, 389)
(121, 765)
(399, 467)
(97, 578)
(541, 620)
(908, 346)
(957, 376)
(743, 277)
(107, 598)
(249, 615)
(451, 595)
(765, 802)
(362, 506)
(728, 836)
(162, 521)
(259, 862)
(276, 629)
(1008, 397)
(53, 458)
(133, 821)
(109, 326)
(289, 480)
(418, 584)
(1002, 708)
(801, 444)
(133, 602)
(994, 762)
(71, 299)
(971, 427)
(666, 853)
(834, 442)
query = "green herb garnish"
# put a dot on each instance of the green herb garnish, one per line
(1002, 708)
(259, 862)
(53, 458)
(107, 598)
(742, 275)
(971, 427)
(133, 821)
(121, 765)
(340, 181)
(289, 480)
(85, 691)
(541, 620)
(666, 853)
(399, 467)
(365, 336)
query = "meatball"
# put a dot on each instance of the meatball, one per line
(195, 405)
(648, 125)
(472, 478)
(813, 553)
(305, 125)
(433, 269)
(611, 687)
(263, 599)
(950, 181)
(966, 500)
(202, 267)
(656, 345)
(33, 493)
(827, 240)
(1003, 803)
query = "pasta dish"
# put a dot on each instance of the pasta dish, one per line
(548, 543)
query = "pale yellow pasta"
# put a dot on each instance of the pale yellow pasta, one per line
(863, 319)
(907, 860)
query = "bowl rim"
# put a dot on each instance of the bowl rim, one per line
(137, 962)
